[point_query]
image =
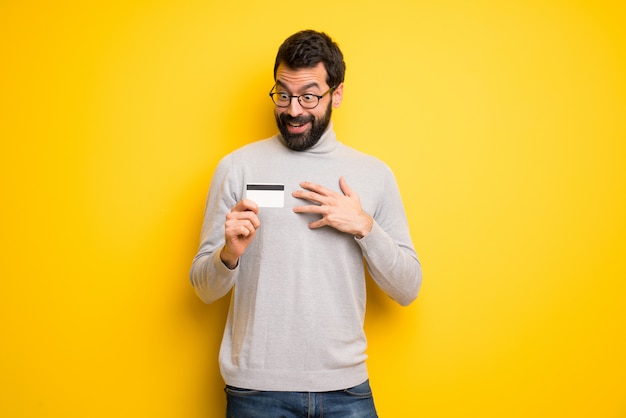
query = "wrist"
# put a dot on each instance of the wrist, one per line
(366, 228)
(227, 259)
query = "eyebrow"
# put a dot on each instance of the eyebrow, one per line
(305, 87)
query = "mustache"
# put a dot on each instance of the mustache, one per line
(296, 120)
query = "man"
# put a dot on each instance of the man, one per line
(301, 213)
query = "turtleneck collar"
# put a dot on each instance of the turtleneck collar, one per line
(327, 143)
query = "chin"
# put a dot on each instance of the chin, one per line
(299, 142)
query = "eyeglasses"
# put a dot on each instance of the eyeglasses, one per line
(307, 101)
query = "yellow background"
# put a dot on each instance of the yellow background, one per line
(505, 123)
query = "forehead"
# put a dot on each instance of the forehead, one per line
(302, 78)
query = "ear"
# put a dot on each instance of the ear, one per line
(337, 96)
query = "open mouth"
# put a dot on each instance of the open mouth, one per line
(296, 127)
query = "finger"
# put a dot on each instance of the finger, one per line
(246, 214)
(245, 205)
(240, 218)
(310, 209)
(306, 195)
(343, 184)
(243, 231)
(239, 228)
(317, 188)
(318, 224)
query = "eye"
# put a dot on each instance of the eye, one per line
(282, 96)
(309, 98)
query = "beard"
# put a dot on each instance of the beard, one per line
(304, 140)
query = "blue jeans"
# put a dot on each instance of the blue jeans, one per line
(355, 402)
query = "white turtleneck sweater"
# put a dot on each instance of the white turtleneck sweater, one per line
(298, 304)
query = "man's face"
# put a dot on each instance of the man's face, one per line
(302, 128)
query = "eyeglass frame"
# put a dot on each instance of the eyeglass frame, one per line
(292, 96)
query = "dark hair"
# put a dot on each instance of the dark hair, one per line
(308, 48)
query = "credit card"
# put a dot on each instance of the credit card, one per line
(266, 195)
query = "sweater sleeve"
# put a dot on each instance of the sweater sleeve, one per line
(388, 250)
(210, 278)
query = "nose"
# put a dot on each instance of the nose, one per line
(294, 108)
